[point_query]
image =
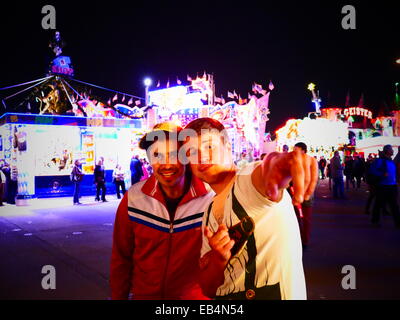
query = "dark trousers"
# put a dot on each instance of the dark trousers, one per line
(135, 179)
(77, 189)
(386, 195)
(322, 173)
(1, 193)
(304, 223)
(101, 186)
(118, 185)
(12, 191)
(372, 195)
(349, 178)
(358, 179)
(338, 187)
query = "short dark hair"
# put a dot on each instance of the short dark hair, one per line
(302, 146)
(387, 147)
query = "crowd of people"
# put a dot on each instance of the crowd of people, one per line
(140, 169)
(379, 172)
(345, 174)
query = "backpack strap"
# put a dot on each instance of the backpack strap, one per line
(250, 275)
(208, 213)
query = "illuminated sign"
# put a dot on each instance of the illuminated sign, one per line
(357, 111)
(62, 65)
(170, 98)
(176, 98)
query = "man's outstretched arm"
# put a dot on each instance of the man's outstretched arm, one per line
(277, 170)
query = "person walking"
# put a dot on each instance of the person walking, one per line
(136, 170)
(384, 169)
(7, 173)
(358, 169)
(2, 184)
(100, 181)
(119, 180)
(336, 171)
(304, 215)
(322, 166)
(329, 175)
(144, 169)
(76, 178)
(13, 185)
(348, 171)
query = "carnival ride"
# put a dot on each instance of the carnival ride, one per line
(59, 93)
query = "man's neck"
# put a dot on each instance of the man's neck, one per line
(178, 190)
(225, 178)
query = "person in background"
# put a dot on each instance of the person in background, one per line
(76, 177)
(119, 180)
(397, 163)
(148, 167)
(136, 170)
(372, 183)
(384, 169)
(13, 184)
(329, 175)
(243, 161)
(100, 181)
(2, 183)
(358, 169)
(322, 166)
(336, 171)
(7, 173)
(285, 148)
(144, 169)
(304, 216)
(348, 171)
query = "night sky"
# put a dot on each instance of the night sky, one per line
(116, 45)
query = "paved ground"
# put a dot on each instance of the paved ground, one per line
(77, 241)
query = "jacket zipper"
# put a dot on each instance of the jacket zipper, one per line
(171, 231)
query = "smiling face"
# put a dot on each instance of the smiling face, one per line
(163, 157)
(210, 155)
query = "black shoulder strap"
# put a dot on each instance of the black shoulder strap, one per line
(208, 213)
(249, 281)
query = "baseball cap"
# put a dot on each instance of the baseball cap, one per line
(166, 127)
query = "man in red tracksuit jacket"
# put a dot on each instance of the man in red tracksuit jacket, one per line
(157, 234)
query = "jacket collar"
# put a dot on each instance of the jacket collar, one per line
(152, 188)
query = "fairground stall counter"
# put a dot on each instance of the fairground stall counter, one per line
(43, 148)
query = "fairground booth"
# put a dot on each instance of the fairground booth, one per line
(351, 130)
(43, 148)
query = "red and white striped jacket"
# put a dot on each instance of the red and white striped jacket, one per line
(153, 257)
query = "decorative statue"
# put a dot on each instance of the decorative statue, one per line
(56, 44)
